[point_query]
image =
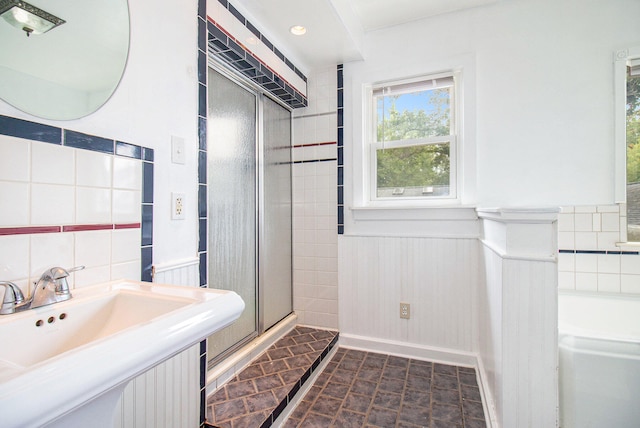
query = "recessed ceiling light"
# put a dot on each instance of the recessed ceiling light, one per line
(298, 30)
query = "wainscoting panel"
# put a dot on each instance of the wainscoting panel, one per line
(436, 276)
(518, 322)
(489, 329)
(166, 396)
(184, 272)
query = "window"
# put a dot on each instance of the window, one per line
(412, 139)
(633, 148)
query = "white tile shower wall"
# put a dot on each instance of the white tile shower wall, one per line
(50, 185)
(591, 257)
(315, 247)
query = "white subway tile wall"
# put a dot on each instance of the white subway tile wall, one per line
(593, 255)
(45, 184)
(315, 263)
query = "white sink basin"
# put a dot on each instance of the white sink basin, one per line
(77, 356)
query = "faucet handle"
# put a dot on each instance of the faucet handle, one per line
(13, 297)
(57, 272)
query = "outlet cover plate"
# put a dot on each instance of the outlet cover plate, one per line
(177, 206)
(405, 310)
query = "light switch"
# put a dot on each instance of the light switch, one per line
(177, 150)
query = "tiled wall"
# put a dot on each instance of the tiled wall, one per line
(590, 255)
(68, 201)
(315, 247)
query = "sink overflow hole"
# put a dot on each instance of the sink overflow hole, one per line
(62, 316)
(39, 323)
(51, 319)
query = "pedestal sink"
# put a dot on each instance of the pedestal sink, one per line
(65, 365)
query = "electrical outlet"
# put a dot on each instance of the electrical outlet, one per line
(177, 206)
(405, 311)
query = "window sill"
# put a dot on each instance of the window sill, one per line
(414, 213)
(628, 246)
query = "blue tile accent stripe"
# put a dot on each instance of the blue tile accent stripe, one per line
(30, 130)
(610, 252)
(340, 148)
(314, 160)
(235, 54)
(203, 36)
(88, 142)
(50, 134)
(128, 150)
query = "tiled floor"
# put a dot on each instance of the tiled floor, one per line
(260, 392)
(363, 389)
(356, 389)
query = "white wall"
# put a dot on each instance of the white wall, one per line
(538, 133)
(543, 85)
(157, 98)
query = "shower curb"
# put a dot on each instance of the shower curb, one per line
(260, 393)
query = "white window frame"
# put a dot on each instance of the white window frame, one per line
(621, 59)
(372, 145)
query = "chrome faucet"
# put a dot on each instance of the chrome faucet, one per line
(52, 287)
(13, 300)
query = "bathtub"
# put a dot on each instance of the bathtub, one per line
(599, 357)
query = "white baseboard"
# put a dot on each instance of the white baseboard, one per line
(409, 350)
(488, 401)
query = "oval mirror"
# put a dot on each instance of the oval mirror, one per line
(68, 71)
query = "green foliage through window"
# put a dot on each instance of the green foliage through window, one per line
(633, 158)
(411, 159)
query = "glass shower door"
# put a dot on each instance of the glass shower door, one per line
(276, 253)
(232, 190)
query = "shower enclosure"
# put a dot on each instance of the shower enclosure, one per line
(249, 201)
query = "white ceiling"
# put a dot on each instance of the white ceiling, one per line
(335, 28)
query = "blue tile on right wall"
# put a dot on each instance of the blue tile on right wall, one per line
(147, 182)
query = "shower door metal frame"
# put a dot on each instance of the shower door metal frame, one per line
(225, 70)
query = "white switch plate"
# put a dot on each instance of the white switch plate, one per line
(177, 206)
(177, 150)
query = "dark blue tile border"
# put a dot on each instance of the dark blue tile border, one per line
(340, 147)
(314, 160)
(30, 130)
(601, 252)
(128, 150)
(221, 44)
(50, 134)
(94, 143)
